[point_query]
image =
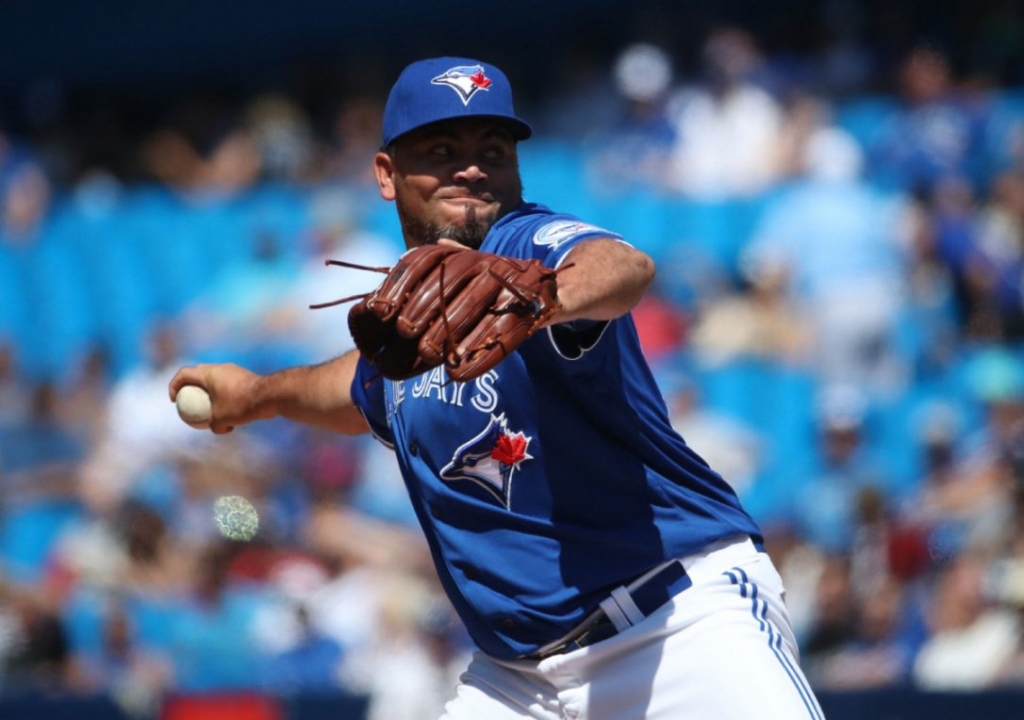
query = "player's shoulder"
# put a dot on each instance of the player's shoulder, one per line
(541, 229)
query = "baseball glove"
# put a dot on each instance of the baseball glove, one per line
(451, 306)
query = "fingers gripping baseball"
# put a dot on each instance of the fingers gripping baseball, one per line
(215, 397)
(451, 306)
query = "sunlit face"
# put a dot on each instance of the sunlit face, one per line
(451, 179)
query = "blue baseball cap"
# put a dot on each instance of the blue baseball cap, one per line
(444, 88)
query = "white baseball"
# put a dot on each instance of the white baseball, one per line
(194, 406)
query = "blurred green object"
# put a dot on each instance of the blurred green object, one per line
(996, 375)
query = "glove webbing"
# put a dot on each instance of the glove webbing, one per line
(508, 285)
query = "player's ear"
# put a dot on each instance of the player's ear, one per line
(384, 171)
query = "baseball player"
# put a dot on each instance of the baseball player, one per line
(604, 571)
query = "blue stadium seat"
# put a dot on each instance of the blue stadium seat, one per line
(28, 533)
(554, 174)
(642, 218)
(280, 210)
(14, 301)
(176, 261)
(63, 318)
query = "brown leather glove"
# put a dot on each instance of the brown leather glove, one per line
(461, 308)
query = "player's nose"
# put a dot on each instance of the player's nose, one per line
(471, 173)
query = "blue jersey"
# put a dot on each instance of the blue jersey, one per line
(553, 478)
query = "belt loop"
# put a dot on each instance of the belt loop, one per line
(627, 604)
(615, 613)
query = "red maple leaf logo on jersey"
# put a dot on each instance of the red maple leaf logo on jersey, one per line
(510, 449)
(480, 80)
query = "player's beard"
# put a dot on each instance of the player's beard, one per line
(470, 232)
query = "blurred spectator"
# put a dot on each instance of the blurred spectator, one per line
(828, 502)
(884, 550)
(369, 598)
(966, 500)
(25, 199)
(283, 136)
(37, 452)
(836, 239)
(32, 271)
(337, 231)
(14, 153)
(800, 564)
(84, 398)
(14, 390)
(955, 224)
(135, 677)
(300, 655)
(834, 613)
(762, 320)
(211, 638)
(734, 449)
(352, 139)
(937, 134)
(970, 639)
(311, 665)
(203, 150)
(237, 310)
(39, 461)
(929, 326)
(727, 125)
(415, 661)
(632, 152)
(880, 652)
(1004, 583)
(34, 646)
(141, 427)
(1000, 241)
(379, 490)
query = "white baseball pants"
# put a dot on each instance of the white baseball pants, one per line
(722, 649)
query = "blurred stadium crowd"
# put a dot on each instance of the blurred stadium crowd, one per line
(837, 328)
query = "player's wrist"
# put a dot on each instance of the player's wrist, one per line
(267, 397)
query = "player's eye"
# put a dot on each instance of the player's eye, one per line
(494, 154)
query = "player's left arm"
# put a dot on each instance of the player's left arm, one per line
(601, 279)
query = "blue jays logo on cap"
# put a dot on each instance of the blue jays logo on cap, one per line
(466, 80)
(421, 96)
(490, 458)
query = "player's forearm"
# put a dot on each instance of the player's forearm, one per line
(602, 279)
(315, 395)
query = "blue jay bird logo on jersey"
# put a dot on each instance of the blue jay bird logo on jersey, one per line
(466, 80)
(490, 458)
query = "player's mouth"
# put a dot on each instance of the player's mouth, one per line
(469, 201)
(468, 198)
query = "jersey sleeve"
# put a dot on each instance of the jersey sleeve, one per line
(539, 234)
(368, 395)
(551, 240)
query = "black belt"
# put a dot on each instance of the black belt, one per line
(648, 594)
